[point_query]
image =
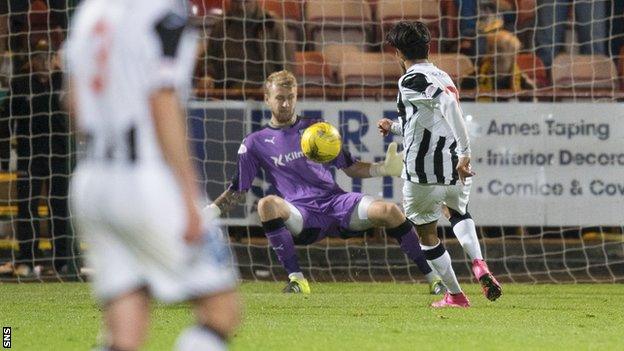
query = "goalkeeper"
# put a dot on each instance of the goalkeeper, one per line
(313, 206)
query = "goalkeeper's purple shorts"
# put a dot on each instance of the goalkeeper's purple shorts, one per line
(328, 216)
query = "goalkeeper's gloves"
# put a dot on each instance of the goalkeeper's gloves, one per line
(391, 166)
(211, 212)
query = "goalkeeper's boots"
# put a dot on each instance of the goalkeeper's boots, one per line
(297, 286)
(491, 288)
(452, 300)
(436, 287)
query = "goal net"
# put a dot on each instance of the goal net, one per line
(539, 82)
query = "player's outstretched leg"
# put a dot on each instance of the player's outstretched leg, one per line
(439, 258)
(217, 317)
(466, 233)
(273, 212)
(391, 217)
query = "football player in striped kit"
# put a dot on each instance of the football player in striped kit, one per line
(134, 197)
(436, 159)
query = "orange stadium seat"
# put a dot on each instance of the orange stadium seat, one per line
(584, 72)
(289, 10)
(532, 66)
(311, 70)
(456, 65)
(338, 22)
(334, 55)
(389, 12)
(427, 11)
(369, 69)
(291, 13)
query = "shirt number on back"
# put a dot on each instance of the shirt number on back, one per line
(101, 34)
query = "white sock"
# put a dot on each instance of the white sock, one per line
(444, 268)
(431, 276)
(200, 338)
(466, 233)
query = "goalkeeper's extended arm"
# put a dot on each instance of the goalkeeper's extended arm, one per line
(224, 203)
(391, 166)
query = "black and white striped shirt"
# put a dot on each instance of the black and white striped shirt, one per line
(432, 126)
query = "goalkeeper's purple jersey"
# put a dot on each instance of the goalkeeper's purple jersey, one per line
(278, 153)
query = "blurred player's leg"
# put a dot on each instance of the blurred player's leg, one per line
(217, 318)
(390, 216)
(127, 320)
(274, 211)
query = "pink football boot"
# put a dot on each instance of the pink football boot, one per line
(491, 288)
(452, 300)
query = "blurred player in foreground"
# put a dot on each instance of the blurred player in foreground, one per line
(313, 206)
(436, 156)
(134, 197)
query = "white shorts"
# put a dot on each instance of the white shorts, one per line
(423, 202)
(132, 220)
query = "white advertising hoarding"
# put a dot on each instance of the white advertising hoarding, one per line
(543, 164)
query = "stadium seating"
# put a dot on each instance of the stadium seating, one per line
(369, 69)
(289, 10)
(584, 72)
(334, 55)
(532, 66)
(389, 12)
(335, 28)
(456, 65)
(338, 22)
(311, 69)
(291, 13)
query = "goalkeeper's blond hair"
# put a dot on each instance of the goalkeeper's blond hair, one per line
(284, 79)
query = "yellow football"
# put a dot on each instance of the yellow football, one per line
(321, 142)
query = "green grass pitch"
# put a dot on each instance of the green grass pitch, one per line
(345, 316)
